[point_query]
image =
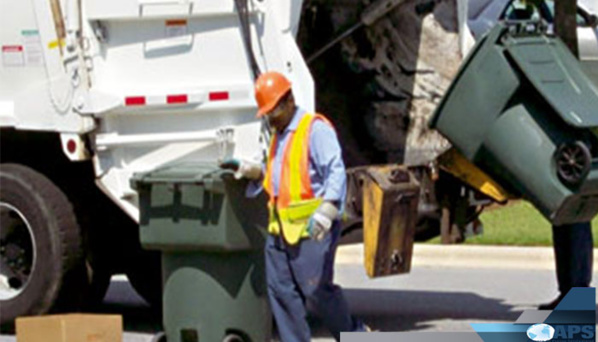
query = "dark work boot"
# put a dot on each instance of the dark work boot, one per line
(551, 305)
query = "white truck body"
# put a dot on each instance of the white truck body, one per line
(153, 82)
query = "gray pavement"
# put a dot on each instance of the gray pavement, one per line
(449, 288)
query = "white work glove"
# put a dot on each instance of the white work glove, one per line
(243, 168)
(321, 220)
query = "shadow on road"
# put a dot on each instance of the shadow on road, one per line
(382, 310)
(387, 310)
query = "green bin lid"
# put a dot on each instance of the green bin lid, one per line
(188, 172)
(557, 75)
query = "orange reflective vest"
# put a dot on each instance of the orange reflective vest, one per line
(296, 202)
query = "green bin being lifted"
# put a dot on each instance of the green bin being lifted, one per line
(523, 111)
(211, 237)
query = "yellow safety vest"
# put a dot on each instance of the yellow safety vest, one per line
(296, 202)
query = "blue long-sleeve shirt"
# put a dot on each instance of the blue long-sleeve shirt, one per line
(326, 167)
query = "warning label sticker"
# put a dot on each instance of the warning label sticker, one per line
(12, 56)
(33, 48)
(176, 28)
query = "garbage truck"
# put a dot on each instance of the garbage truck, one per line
(96, 95)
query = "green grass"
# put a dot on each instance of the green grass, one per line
(518, 224)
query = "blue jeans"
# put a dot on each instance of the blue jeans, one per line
(301, 273)
(573, 251)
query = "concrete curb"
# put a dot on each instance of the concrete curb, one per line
(466, 256)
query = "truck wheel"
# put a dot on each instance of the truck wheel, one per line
(40, 242)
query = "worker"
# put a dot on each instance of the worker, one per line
(305, 179)
(573, 253)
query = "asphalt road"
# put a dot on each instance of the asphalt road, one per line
(430, 298)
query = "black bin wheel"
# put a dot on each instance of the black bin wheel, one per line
(231, 337)
(573, 162)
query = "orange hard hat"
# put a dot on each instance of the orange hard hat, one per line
(270, 88)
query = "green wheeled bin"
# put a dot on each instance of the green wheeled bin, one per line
(211, 237)
(523, 111)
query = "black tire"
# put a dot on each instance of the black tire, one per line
(55, 241)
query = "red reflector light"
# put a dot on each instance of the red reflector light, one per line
(219, 96)
(135, 101)
(71, 146)
(176, 99)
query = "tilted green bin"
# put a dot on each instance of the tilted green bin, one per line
(523, 111)
(211, 237)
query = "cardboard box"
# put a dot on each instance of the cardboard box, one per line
(70, 328)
